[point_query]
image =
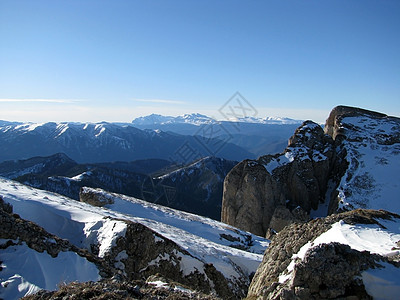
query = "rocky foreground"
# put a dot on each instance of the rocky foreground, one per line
(298, 266)
(47, 240)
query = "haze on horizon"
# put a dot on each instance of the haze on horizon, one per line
(117, 60)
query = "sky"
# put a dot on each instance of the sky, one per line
(96, 60)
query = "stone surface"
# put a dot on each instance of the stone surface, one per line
(328, 271)
(367, 147)
(94, 198)
(155, 287)
(142, 252)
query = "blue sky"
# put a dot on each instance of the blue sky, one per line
(117, 60)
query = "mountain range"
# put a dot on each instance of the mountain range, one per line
(107, 142)
(199, 119)
(259, 136)
(196, 187)
(318, 220)
(179, 139)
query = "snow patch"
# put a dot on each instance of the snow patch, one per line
(365, 237)
(382, 283)
(33, 271)
(118, 263)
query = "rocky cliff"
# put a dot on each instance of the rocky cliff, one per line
(351, 163)
(275, 190)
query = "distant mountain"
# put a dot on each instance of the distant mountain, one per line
(106, 142)
(7, 123)
(258, 136)
(199, 119)
(155, 119)
(195, 188)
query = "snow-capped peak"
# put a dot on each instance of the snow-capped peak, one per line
(268, 120)
(200, 119)
(152, 119)
(155, 119)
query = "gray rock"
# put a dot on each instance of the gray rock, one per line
(316, 276)
(270, 192)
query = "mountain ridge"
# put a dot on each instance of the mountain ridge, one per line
(106, 142)
(200, 119)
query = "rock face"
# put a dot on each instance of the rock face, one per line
(276, 190)
(352, 163)
(327, 271)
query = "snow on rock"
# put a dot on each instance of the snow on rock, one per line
(351, 254)
(205, 239)
(201, 243)
(370, 143)
(80, 223)
(361, 237)
(81, 176)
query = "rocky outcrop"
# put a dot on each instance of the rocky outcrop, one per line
(331, 165)
(94, 197)
(333, 125)
(276, 190)
(327, 271)
(367, 147)
(155, 287)
(142, 252)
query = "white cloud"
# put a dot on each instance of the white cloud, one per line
(39, 100)
(165, 101)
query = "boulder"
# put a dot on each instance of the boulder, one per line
(94, 197)
(327, 271)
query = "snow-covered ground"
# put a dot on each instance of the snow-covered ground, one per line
(381, 283)
(26, 271)
(208, 241)
(372, 178)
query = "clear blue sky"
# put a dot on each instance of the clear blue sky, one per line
(117, 60)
